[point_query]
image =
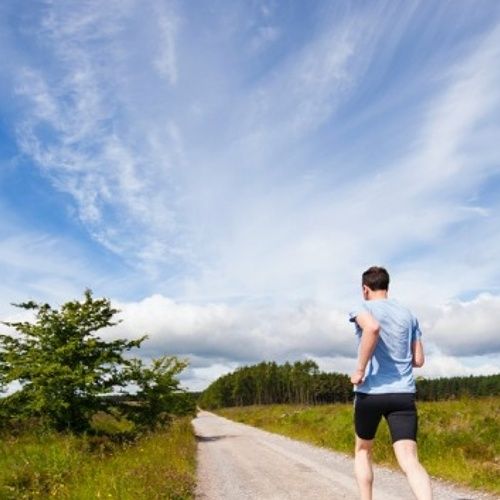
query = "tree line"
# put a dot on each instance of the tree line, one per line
(267, 382)
(302, 382)
(454, 387)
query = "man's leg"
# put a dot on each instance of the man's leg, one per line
(363, 467)
(367, 415)
(403, 425)
(420, 483)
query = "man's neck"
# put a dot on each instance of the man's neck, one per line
(377, 295)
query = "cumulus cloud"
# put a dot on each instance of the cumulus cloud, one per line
(240, 333)
(467, 328)
(440, 365)
(436, 364)
(458, 337)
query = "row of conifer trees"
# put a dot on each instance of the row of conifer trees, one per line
(302, 382)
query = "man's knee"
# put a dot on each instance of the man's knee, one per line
(406, 453)
(363, 446)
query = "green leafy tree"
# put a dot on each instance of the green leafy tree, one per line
(159, 395)
(62, 366)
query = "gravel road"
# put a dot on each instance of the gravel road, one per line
(238, 462)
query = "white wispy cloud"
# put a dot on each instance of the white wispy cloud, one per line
(75, 125)
(124, 165)
(274, 185)
(302, 233)
(41, 267)
(303, 91)
(166, 61)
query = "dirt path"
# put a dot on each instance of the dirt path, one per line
(239, 462)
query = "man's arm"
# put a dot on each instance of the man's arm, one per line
(369, 339)
(417, 350)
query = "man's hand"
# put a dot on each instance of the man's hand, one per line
(357, 377)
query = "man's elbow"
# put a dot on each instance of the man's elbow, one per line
(373, 328)
(418, 363)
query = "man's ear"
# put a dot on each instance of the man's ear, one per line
(366, 291)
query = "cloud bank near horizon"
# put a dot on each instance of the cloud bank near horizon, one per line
(459, 338)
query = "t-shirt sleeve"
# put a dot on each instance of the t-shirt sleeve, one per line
(361, 307)
(416, 333)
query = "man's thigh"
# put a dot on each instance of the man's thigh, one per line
(402, 417)
(367, 415)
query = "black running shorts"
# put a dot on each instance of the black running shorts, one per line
(398, 409)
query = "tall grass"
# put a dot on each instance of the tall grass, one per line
(458, 440)
(44, 465)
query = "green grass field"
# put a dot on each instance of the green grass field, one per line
(458, 440)
(50, 465)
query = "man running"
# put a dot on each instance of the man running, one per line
(389, 348)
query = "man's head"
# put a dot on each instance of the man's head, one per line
(375, 282)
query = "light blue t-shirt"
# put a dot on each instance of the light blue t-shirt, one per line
(390, 367)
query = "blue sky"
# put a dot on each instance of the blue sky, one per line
(224, 171)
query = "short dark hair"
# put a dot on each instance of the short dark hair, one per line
(376, 278)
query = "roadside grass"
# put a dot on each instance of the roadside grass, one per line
(37, 464)
(458, 440)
